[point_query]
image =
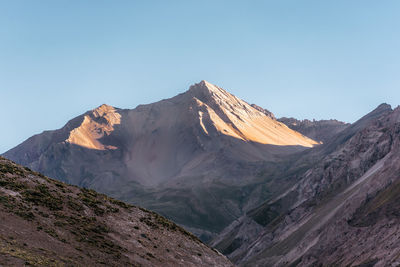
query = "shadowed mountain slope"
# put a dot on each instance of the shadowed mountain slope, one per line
(341, 212)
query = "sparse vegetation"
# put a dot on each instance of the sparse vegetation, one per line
(40, 195)
(27, 215)
(30, 257)
(79, 219)
(74, 205)
(157, 221)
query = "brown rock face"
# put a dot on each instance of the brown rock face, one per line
(197, 158)
(342, 212)
(44, 222)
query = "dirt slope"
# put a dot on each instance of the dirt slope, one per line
(44, 222)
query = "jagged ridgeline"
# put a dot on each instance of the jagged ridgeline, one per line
(45, 222)
(343, 211)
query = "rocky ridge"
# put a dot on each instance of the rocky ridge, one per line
(328, 216)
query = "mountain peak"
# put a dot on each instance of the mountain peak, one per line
(204, 82)
(213, 96)
(104, 106)
(102, 109)
(230, 115)
(204, 88)
(383, 107)
(376, 113)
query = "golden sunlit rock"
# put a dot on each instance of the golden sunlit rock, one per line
(234, 117)
(98, 123)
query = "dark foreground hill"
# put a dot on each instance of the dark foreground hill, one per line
(44, 222)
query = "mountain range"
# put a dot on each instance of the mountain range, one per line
(264, 191)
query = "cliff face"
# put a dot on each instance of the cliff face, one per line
(342, 211)
(202, 158)
(45, 222)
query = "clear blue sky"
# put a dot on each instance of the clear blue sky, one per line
(306, 59)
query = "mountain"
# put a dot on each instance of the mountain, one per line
(202, 158)
(321, 131)
(263, 191)
(343, 211)
(45, 222)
